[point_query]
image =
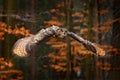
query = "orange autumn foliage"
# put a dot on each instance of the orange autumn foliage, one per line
(7, 71)
(103, 11)
(61, 4)
(53, 22)
(77, 14)
(4, 28)
(58, 60)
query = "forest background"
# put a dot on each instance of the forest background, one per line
(94, 20)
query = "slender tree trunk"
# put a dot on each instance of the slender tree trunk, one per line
(98, 71)
(32, 57)
(115, 61)
(68, 26)
(116, 27)
(8, 7)
(90, 25)
(4, 11)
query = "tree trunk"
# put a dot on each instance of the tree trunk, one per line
(115, 61)
(32, 57)
(98, 72)
(68, 26)
(8, 7)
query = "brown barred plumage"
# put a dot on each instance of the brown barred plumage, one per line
(25, 46)
(20, 47)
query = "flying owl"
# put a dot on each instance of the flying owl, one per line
(24, 46)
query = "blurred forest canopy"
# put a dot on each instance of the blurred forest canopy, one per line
(94, 20)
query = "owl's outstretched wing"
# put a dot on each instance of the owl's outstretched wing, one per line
(25, 46)
(87, 44)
